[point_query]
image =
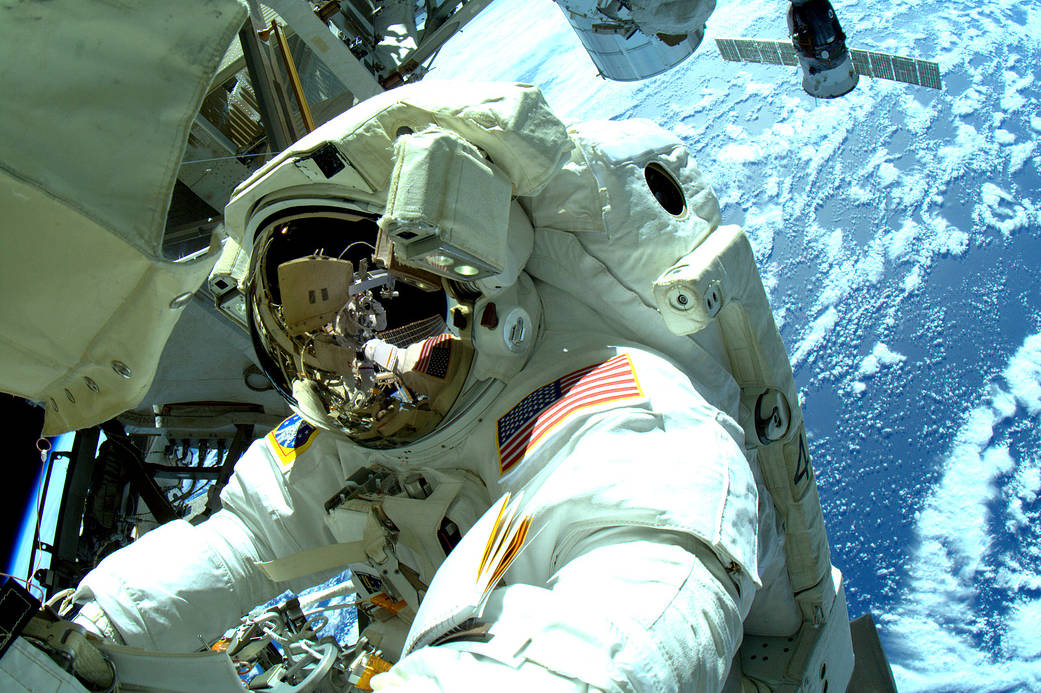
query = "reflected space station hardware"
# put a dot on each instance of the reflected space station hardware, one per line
(818, 46)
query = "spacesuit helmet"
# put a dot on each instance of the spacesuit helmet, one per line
(386, 287)
(370, 322)
(351, 340)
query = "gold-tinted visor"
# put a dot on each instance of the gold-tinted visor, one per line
(349, 339)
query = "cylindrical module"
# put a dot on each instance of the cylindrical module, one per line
(618, 45)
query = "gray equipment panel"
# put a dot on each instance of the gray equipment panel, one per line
(871, 672)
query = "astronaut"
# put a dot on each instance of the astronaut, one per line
(534, 484)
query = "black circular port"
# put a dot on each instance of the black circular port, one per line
(665, 189)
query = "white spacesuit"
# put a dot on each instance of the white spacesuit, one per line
(483, 375)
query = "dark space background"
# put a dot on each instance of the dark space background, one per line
(20, 469)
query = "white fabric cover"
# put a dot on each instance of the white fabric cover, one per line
(511, 123)
(651, 533)
(602, 236)
(99, 99)
(617, 220)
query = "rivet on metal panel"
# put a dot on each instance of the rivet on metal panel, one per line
(91, 385)
(54, 405)
(70, 396)
(122, 369)
(180, 301)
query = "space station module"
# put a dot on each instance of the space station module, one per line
(543, 415)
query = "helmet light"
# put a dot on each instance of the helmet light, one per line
(448, 207)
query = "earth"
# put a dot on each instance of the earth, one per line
(897, 236)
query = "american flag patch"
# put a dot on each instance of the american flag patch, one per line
(435, 356)
(521, 428)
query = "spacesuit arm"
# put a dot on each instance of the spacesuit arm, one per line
(636, 609)
(180, 586)
(641, 569)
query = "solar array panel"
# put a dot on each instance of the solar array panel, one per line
(929, 74)
(879, 65)
(757, 51)
(924, 73)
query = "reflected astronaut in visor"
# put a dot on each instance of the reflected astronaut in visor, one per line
(355, 347)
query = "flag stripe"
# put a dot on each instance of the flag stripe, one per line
(592, 386)
(578, 396)
(493, 535)
(521, 429)
(533, 432)
(528, 440)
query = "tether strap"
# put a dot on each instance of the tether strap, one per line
(304, 563)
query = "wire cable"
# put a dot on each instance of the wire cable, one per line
(25, 583)
(354, 244)
(48, 460)
(225, 158)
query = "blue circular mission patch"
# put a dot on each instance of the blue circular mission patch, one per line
(291, 437)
